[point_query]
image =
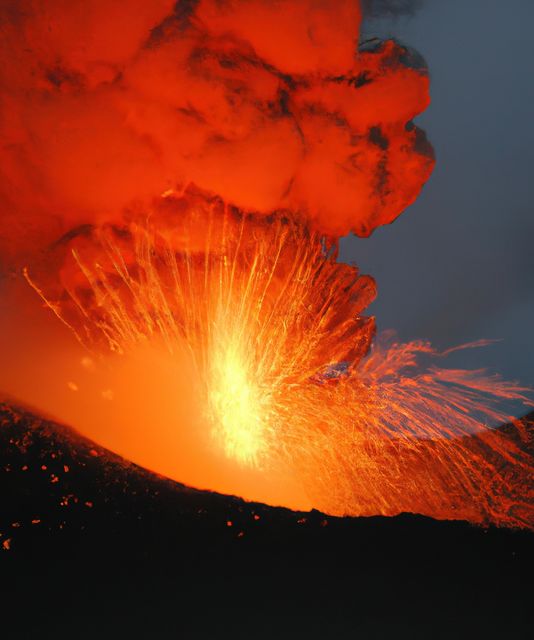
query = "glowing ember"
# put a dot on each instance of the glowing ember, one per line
(273, 325)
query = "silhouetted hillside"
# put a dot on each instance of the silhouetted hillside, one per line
(96, 547)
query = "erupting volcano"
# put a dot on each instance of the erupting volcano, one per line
(175, 185)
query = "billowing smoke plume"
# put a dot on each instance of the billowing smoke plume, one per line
(265, 103)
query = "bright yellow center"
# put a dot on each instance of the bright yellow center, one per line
(236, 408)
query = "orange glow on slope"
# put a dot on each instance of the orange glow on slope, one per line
(272, 328)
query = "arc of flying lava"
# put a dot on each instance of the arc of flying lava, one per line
(267, 315)
(270, 138)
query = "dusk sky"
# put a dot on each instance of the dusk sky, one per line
(458, 265)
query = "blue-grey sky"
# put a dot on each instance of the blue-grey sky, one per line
(458, 265)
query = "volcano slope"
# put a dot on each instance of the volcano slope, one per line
(94, 546)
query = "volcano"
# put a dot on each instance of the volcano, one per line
(176, 179)
(175, 182)
(96, 544)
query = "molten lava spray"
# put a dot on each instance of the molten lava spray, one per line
(279, 355)
(176, 177)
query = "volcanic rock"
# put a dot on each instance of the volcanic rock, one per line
(94, 546)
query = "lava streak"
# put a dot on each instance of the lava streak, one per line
(284, 371)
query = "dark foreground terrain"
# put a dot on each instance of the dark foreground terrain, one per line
(94, 547)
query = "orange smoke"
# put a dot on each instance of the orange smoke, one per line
(269, 105)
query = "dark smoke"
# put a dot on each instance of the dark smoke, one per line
(392, 8)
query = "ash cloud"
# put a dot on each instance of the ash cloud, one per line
(106, 104)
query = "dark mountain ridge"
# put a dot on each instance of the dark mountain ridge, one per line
(95, 546)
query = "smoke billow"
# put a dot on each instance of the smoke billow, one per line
(106, 104)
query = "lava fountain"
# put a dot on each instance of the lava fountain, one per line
(175, 178)
(285, 378)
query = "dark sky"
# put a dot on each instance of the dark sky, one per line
(458, 265)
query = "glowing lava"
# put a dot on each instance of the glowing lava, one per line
(228, 346)
(238, 411)
(273, 327)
